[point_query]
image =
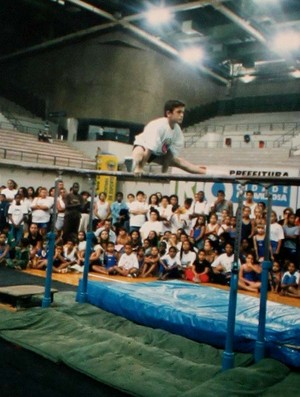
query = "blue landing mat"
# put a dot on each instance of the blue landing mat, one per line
(200, 313)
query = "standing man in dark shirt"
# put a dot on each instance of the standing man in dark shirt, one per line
(74, 203)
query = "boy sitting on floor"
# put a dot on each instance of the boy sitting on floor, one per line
(128, 265)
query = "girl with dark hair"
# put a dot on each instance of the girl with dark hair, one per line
(136, 241)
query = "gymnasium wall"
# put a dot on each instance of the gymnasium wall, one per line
(115, 76)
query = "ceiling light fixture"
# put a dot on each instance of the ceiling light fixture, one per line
(192, 55)
(158, 16)
(286, 41)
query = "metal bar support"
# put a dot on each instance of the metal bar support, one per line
(259, 351)
(46, 302)
(228, 355)
(82, 296)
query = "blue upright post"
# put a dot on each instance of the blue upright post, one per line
(259, 351)
(228, 355)
(46, 302)
(82, 296)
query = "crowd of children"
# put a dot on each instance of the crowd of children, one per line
(158, 237)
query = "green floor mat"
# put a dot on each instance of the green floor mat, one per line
(139, 360)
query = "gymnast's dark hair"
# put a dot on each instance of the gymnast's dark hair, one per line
(171, 105)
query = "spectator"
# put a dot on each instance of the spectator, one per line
(85, 212)
(249, 202)
(101, 210)
(249, 275)
(136, 241)
(221, 203)
(21, 260)
(16, 216)
(138, 210)
(225, 227)
(245, 249)
(187, 256)
(26, 203)
(276, 235)
(198, 232)
(199, 206)
(122, 238)
(174, 200)
(118, 211)
(259, 218)
(128, 265)
(290, 281)
(291, 239)
(3, 211)
(170, 266)
(152, 224)
(232, 229)
(177, 220)
(259, 243)
(200, 270)
(165, 213)
(70, 252)
(103, 239)
(153, 203)
(247, 225)
(35, 240)
(4, 249)
(60, 264)
(221, 266)
(275, 278)
(107, 226)
(61, 208)
(212, 229)
(40, 208)
(10, 191)
(109, 260)
(74, 203)
(151, 263)
(286, 213)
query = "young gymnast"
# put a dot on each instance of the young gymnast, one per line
(162, 140)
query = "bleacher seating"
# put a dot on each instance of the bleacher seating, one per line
(19, 147)
(246, 158)
(264, 129)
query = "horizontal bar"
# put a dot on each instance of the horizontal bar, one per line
(130, 176)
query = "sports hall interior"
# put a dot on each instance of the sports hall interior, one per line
(79, 80)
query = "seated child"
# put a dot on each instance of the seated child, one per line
(97, 256)
(249, 275)
(4, 249)
(70, 252)
(128, 265)
(109, 260)
(170, 265)
(290, 282)
(141, 256)
(275, 278)
(21, 259)
(80, 252)
(60, 264)
(200, 270)
(41, 257)
(151, 263)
